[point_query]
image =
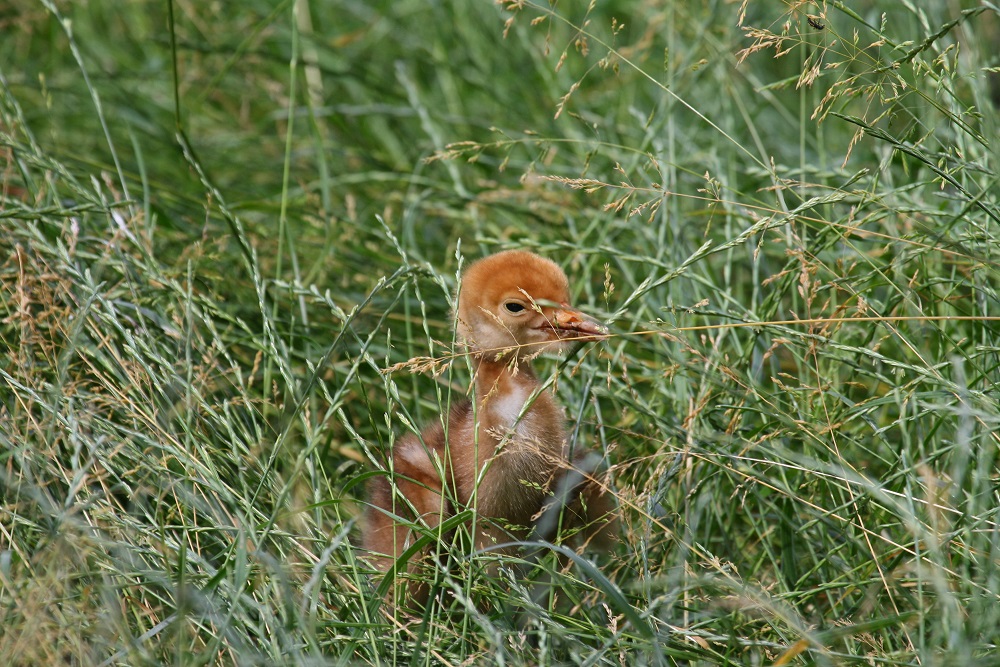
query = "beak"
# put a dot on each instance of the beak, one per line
(569, 323)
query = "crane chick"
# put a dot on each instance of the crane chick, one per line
(504, 452)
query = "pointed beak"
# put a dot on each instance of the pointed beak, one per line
(569, 323)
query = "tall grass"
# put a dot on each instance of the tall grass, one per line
(226, 229)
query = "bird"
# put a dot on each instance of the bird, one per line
(504, 452)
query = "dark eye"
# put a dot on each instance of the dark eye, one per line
(513, 307)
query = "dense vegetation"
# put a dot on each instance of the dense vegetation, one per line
(226, 227)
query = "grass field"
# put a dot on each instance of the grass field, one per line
(221, 224)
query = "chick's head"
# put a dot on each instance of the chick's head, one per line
(516, 299)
